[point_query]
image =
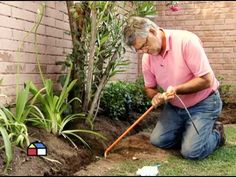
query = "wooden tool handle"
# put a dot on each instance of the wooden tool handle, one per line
(128, 130)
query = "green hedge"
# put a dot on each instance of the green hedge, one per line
(121, 98)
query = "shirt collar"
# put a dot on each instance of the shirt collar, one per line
(168, 41)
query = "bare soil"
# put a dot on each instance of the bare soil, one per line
(63, 159)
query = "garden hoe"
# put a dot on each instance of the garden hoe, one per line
(139, 120)
(128, 130)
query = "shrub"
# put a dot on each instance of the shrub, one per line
(140, 101)
(116, 100)
(224, 90)
(121, 98)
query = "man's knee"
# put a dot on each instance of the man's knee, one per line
(161, 141)
(191, 153)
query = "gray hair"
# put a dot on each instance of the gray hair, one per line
(137, 26)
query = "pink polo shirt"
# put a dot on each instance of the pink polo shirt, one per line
(184, 59)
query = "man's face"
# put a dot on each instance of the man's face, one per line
(151, 44)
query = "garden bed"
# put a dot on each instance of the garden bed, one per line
(63, 159)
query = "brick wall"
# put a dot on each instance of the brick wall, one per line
(16, 19)
(130, 72)
(214, 22)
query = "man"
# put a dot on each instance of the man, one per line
(175, 60)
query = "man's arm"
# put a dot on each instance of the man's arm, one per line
(156, 97)
(195, 85)
(192, 86)
(150, 92)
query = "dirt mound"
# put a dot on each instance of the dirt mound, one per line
(61, 159)
(228, 114)
(134, 147)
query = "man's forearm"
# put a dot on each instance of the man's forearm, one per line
(194, 85)
(150, 92)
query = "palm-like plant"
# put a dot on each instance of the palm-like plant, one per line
(50, 114)
(17, 119)
(6, 140)
(13, 124)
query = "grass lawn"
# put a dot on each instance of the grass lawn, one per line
(221, 163)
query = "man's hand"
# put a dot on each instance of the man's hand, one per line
(159, 98)
(170, 92)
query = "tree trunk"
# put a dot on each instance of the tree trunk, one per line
(72, 22)
(76, 27)
(90, 59)
(101, 86)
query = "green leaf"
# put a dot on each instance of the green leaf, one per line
(104, 39)
(77, 136)
(21, 101)
(64, 94)
(4, 118)
(8, 147)
(85, 131)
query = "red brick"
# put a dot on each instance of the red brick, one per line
(49, 21)
(23, 14)
(20, 35)
(54, 32)
(51, 4)
(223, 50)
(5, 9)
(7, 44)
(5, 33)
(29, 25)
(61, 6)
(11, 22)
(66, 35)
(62, 25)
(56, 69)
(54, 13)
(224, 27)
(64, 43)
(204, 27)
(14, 3)
(54, 50)
(32, 6)
(51, 41)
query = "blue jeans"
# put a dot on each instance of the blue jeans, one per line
(175, 128)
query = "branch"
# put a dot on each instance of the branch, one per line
(72, 22)
(91, 58)
(101, 84)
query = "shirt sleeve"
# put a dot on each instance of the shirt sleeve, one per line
(196, 58)
(149, 77)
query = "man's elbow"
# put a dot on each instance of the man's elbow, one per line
(208, 80)
(150, 92)
(146, 90)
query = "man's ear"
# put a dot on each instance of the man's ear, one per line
(153, 31)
